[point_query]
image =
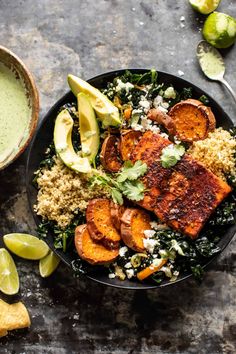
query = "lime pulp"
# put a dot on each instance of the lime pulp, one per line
(48, 264)
(26, 246)
(9, 279)
(205, 7)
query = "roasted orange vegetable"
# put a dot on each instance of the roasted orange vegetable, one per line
(92, 252)
(133, 223)
(100, 225)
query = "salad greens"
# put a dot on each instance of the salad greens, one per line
(184, 254)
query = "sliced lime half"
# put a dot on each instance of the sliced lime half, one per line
(205, 7)
(9, 279)
(48, 264)
(26, 246)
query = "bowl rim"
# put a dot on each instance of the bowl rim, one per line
(143, 286)
(35, 107)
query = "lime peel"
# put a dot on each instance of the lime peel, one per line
(220, 30)
(48, 264)
(9, 279)
(205, 7)
(26, 246)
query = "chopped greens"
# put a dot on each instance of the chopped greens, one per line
(171, 155)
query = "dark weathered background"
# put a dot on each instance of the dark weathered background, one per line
(55, 37)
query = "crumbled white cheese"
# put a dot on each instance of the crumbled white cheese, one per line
(129, 273)
(149, 233)
(165, 105)
(164, 135)
(167, 271)
(122, 251)
(157, 101)
(164, 110)
(150, 244)
(123, 85)
(128, 265)
(111, 275)
(182, 18)
(157, 262)
(154, 225)
(144, 103)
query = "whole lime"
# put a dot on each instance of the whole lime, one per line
(220, 30)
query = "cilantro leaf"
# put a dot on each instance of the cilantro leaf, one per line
(132, 172)
(171, 155)
(133, 190)
(116, 196)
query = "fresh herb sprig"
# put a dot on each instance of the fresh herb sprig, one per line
(126, 183)
(171, 155)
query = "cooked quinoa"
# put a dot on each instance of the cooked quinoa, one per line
(62, 192)
(216, 152)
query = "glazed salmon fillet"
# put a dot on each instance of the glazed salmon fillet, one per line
(183, 196)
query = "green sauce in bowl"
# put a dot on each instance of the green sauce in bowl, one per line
(15, 113)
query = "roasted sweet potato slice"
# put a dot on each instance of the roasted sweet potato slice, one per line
(133, 223)
(100, 225)
(116, 214)
(92, 252)
(109, 155)
(129, 139)
(192, 120)
(156, 115)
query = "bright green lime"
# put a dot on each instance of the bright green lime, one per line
(26, 246)
(9, 280)
(48, 264)
(205, 7)
(219, 30)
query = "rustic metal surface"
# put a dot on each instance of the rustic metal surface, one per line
(69, 316)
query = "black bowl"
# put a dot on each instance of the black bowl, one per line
(44, 136)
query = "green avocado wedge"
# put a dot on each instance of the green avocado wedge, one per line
(63, 144)
(105, 110)
(89, 129)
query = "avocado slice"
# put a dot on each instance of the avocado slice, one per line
(106, 111)
(89, 129)
(63, 144)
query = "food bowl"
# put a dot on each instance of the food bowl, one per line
(44, 137)
(21, 76)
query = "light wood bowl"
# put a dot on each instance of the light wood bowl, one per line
(12, 62)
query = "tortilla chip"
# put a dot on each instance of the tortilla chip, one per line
(3, 333)
(13, 316)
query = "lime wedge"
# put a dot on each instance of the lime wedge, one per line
(9, 280)
(205, 7)
(219, 30)
(48, 264)
(26, 246)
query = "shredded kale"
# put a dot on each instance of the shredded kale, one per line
(149, 77)
(204, 99)
(63, 238)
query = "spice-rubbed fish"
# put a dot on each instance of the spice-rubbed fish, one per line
(183, 196)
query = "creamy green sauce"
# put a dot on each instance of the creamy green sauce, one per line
(211, 64)
(14, 113)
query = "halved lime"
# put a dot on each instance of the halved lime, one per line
(26, 246)
(219, 30)
(205, 7)
(48, 264)
(9, 280)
